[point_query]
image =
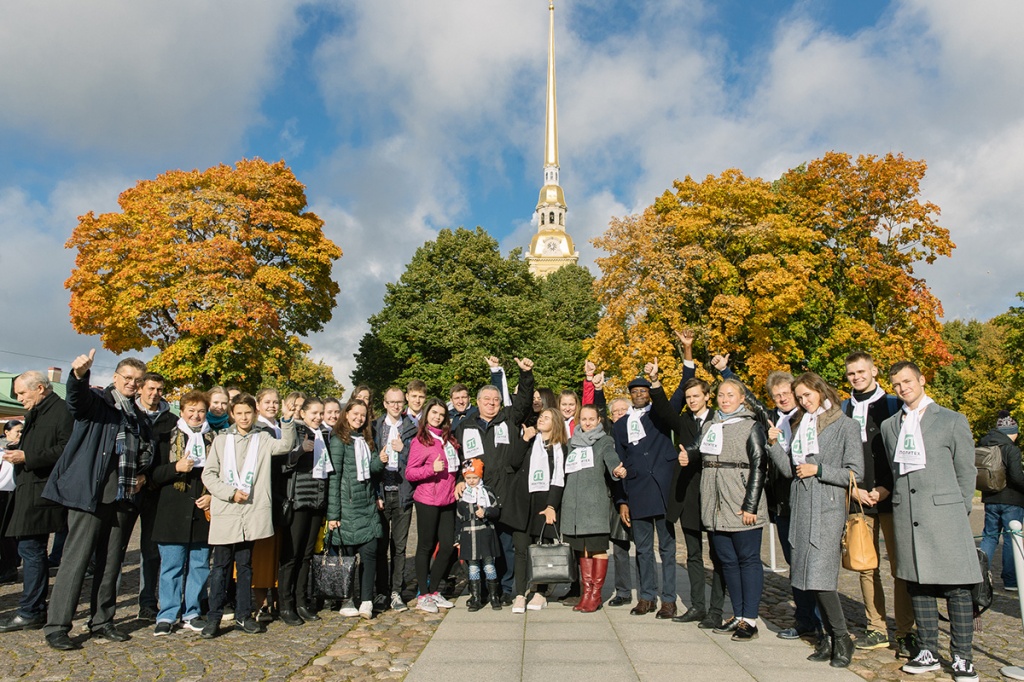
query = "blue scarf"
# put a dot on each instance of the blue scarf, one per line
(217, 423)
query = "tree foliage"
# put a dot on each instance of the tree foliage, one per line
(222, 270)
(309, 377)
(1012, 323)
(459, 301)
(791, 274)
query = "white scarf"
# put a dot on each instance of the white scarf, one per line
(860, 410)
(569, 427)
(449, 454)
(195, 446)
(230, 474)
(322, 466)
(393, 434)
(910, 452)
(805, 440)
(634, 427)
(476, 494)
(579, 459)
(362, 458)
(273, 425)
(541, 478)
(7, 482)
(711, 443)
(506, 399)
(786, 439)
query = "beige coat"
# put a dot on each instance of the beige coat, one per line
(232, 522)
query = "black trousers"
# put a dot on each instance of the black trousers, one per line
(435, 527)
(395, 522)
(367, 568)
(239, 554)
(298, 541)
(100, 533)
(695, 573)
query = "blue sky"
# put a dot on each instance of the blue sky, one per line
(403, 117)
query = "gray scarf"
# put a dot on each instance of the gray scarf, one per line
(586, 439)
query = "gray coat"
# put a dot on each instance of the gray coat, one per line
(584, 509)
(727, 491)
(818, 505)
(934, 542)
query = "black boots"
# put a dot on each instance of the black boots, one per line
(823, 649)
(476, 596)
(842, 651)
(494, 592)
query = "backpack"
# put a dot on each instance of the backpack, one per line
(991, 470)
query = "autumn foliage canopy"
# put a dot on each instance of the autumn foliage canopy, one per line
(220, 269)
(791, 274)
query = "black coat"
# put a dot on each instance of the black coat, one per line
(81, 478)
(302, 491)
(178, 520)
(521, 508)
(1013, 493)
(48, 427)
(876, 462)
(407, 430)
(684, 499)
(650, 464)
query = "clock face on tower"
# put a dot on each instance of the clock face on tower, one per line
(552, 247)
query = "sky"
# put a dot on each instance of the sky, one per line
(405, 117)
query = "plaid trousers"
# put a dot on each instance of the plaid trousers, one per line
(960, 609)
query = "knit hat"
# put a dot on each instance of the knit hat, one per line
(473, 466)
(1005, 423)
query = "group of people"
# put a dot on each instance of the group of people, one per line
(253, 483)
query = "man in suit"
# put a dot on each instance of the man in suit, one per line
(931, 453)
(649, 460)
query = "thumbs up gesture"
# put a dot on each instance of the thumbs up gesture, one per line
(83, 363)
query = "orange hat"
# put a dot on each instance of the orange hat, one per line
(473, 466)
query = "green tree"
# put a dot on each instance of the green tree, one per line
(1012, 322)
(222, 270)
(459, 301)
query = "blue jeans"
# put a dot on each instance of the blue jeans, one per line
(806, 616)
(643, 536)
(739, 553)
(36, 568)
(997, 519)
(182, 566)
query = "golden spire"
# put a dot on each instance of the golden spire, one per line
(551, 127)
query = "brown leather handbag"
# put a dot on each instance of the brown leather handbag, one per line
(858, 541)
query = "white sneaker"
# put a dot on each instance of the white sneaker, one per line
(537, 602)
(426, 603)
(441, 601)
(366, 610)
(397, 604)
(963, 671)
(924, 662)
(519, 604)
(349, 610)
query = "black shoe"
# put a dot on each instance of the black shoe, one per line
(9, 576)
(494, 594)
(725, 627)
(793, 633)
(163, 628)
(842, 652)
(19, 622)
(306, 614)
(744, 632)
(691, 616)
(111, 634)
(197, 624)
(620, 601)
(822, 650)
(710, 622)
(476, 596)
(250, 625)
(291, 618)
(507, 598)
(906, 646)
(380, 603)
(264, 615)
(211, 628)
(61, 642)
(146, 614)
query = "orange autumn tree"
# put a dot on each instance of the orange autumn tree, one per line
(222, 270)
(789, 274)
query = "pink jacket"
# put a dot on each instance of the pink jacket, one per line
(434, 488)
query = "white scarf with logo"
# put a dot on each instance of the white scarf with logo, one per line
(910, 454)
(240, 480)
(805, 440)
(579, 459)
(450, 454)
(362, 458)
(322, 466)
(392, 435)
(634, 427)
(195, 446)
(541, 478)
(860, 410)
(476, 494)
(711, 443)
(786, 440)
(273, 425)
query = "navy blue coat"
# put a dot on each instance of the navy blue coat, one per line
(651, 465)
(80, 475)
(407, 430)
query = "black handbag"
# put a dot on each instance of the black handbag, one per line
(551, 563)
(333, 575)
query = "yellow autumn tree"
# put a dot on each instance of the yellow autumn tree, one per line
(791, 274)
(222, 270)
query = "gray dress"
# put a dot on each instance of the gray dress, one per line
(584, 509)
(818, 504)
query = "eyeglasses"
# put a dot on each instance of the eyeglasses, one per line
(394, 402)
(130, 380)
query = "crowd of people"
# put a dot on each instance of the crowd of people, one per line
(235, 492)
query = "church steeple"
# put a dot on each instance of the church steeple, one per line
(551, 247)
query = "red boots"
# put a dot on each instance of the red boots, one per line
(592, 575)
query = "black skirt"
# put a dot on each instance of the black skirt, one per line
(591, 544)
